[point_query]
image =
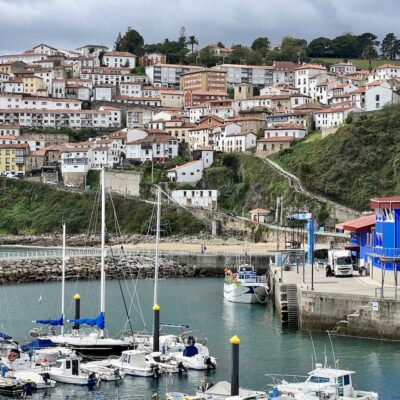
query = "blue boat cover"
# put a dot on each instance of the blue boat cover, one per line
(51, 322)
(37, 344)
(4, 336)
(98, 321)
(190, 351)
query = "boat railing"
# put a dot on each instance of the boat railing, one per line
(278, 379)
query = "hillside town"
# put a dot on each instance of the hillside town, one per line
(141, 109)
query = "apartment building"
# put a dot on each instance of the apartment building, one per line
(208, 79)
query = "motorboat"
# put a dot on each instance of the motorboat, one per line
(135, 363)
(166, 363)
(39, 380)
(222, 390)
(180, 396)
(191, 357)
(68, 370)
(245, 286)
(328, 383)
(11, 387)
(104, 370)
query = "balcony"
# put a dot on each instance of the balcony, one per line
(389, 252)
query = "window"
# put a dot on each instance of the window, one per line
(346, 380)
(377, 97)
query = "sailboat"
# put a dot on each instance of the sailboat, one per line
(96, 343)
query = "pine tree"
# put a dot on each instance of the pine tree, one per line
(117, 44)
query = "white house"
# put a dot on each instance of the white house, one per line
(45, 49)
(221, 132)
(190, 172)
(196, 198)
(253, 74)
(119, 59)
(332, 117)
(377, 96)
(343, 68)
(240, 142)
(15, 85)
(74, 164)
(91, 50)
(387, 71)
(282, 130)
(158, 148)
(304, 73)
(103, 93)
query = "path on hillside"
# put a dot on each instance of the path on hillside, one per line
(295, 183)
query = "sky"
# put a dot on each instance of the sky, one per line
(69, 24)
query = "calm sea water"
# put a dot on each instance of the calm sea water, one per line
(265, 347)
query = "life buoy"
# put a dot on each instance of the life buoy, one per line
(12, 356)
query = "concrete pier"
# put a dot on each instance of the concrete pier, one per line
(345, 306)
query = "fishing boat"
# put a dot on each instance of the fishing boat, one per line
(134, 362)
(95, 343)
(327, 383)
(245, 286)
(68, 370)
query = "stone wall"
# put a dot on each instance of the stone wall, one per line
(349, 314)
(125, 183)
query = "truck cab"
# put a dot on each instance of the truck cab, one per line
(341, 263)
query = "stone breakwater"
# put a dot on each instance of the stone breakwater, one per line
(140, 266)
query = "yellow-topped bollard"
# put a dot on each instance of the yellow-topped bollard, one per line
(156, 327)
(156, 307)
(235, 340)
(77, 296)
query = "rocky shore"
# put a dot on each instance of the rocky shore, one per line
(140, 266)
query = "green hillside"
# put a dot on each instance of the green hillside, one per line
(360, 161)
(246, 182)
(32, 208)
(359, 63)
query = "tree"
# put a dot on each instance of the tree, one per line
(369, 53)
(320, 47)
(192, 41)
(366, 39)
(261, 43)
(101, 56)
(240, 54)
(182, 43)
(208, 57)
(346, 46)
(220, 45)
(390, 47)
(132, 42)
(293, 49)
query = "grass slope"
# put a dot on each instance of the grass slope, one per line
(32, 208)
(360, 161)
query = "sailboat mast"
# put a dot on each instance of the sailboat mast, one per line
(157, 245)
(63, 282)
(103, 237)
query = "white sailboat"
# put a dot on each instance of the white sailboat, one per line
(96, 343)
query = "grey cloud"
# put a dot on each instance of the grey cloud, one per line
(71, 23)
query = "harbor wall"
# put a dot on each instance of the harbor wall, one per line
(349, 314)
(136, 266)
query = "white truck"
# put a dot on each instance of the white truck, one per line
(340, 262)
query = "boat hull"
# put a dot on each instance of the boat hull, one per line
(248, 293)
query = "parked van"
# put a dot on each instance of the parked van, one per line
(340, 262)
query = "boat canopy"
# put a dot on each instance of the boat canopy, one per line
(37, 344)
(51, 322)
(4, 336)
(98, 321)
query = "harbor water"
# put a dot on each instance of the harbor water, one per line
(266, 348)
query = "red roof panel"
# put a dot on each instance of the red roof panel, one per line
(363, 224)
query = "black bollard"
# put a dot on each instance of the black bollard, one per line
(77, 298)
(156, 327)
(235, 341)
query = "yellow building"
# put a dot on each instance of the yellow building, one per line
(12, 67)
(34, 85)
(12, 158)
(171, 98)
(207, 79)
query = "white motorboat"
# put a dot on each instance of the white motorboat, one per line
(331, 383)
(38, 379)
(67, 370)
(103, 370)
(166, 363)
(134, 362)
(222, 390)
(245, 286)
(180, 396)
(192, 358)
(49, 355)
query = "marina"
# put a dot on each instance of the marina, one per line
(266, 348)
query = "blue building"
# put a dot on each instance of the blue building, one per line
(375, 237)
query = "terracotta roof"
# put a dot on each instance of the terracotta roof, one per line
(160, 138)
(14, 146)
(277, 139)
(119, 54)
(283, 127)
(389, 66)
(285, 66)
(386, 202)
(183, 166)
(311, 66)
(363, 224)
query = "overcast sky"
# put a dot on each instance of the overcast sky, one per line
(71, 23)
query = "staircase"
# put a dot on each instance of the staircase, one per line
(289, 306)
